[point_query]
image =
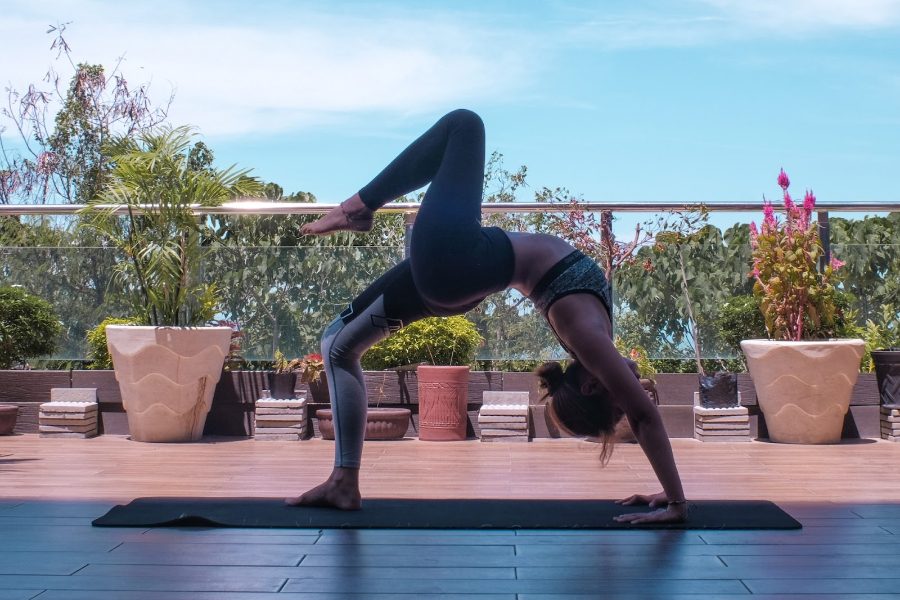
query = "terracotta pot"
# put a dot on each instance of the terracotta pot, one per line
(381, 423)
(804, 388)
(887, 372)
(8, 415)
(167, 376)
(443, 398)
(281, 385)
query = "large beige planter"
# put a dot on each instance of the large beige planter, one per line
(167, 376)
(804, 388)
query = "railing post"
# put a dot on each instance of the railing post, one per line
(409, 220)
(825, 238)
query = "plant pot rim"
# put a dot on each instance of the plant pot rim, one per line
(444, 367)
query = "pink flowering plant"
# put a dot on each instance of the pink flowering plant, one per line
(796, 300)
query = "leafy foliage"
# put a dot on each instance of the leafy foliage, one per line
(160, 236)
(436, 341)
(98, 351)
(881, 333)
(68, 161)
(28, 327)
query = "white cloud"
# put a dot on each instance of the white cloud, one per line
(282, 69)
(654, 24)
(811, 15)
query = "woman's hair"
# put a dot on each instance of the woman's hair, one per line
(595, 415)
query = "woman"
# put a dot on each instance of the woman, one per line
(454, 264)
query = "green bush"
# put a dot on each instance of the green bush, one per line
(98, 352)
(741, 319)
(436, 341)
(28, 327)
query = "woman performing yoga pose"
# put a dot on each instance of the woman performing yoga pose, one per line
(453, 264)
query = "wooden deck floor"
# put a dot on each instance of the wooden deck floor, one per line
(847, 497)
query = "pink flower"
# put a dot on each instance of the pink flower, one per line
(754, 232)
(836, 264)
(788, 202)
(809, 201)
(769, 212)
(756, 272)
(783, 180)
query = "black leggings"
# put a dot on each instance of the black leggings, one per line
(454, 263)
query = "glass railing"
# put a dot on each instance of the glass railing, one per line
(285, 297)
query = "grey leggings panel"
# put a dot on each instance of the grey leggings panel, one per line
(386, 306)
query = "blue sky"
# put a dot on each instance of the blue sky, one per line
(694, 100)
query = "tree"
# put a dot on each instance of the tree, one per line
(67, 161)
(160, 238)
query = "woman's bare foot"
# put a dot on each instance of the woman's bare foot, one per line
(341, 490)
(350, 215)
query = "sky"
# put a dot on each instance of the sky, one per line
(688, 100)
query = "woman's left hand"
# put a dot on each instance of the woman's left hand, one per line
(675, 513)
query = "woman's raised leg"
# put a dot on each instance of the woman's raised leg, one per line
(449, 156)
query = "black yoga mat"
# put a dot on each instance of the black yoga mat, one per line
(382, 513)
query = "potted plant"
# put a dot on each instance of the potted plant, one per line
(719, 389)
(803, 384)
(283, 377)
(312, 373)
(448, 346)
(28, 328)
(882, 339)
(168, 366)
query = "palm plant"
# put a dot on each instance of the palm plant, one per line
(157, 178)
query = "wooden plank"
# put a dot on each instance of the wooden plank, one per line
(301, 571)
(119, 584)
(150, 595)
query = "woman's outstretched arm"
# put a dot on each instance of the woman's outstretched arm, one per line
(581, 321)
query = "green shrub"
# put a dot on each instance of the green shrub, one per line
(436, 341)
(98, 352)
(741, 319)
(28, 327)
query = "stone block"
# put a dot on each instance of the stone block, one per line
(721, 432)
(278, 430)
(69, 407)
(505, 438)
(280, 411)
(890, 419)
(720, 412)
(889, 411)
(91, 428)
(504, 410)
(73, 395)
(505, 398)
(90, 420)
(67, 434)
(726, 419)
(722, 438)
(520, 426)
(71, 417)
(892, 438)
(725, 426)
(502, 418)
(277, 437)
(273, 403)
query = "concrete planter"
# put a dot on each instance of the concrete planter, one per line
(804, 388)
(167, 376)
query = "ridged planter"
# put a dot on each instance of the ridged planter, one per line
(804, 388)
(887, 370)
(381, 423)
(443, 397)
(167, 376)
